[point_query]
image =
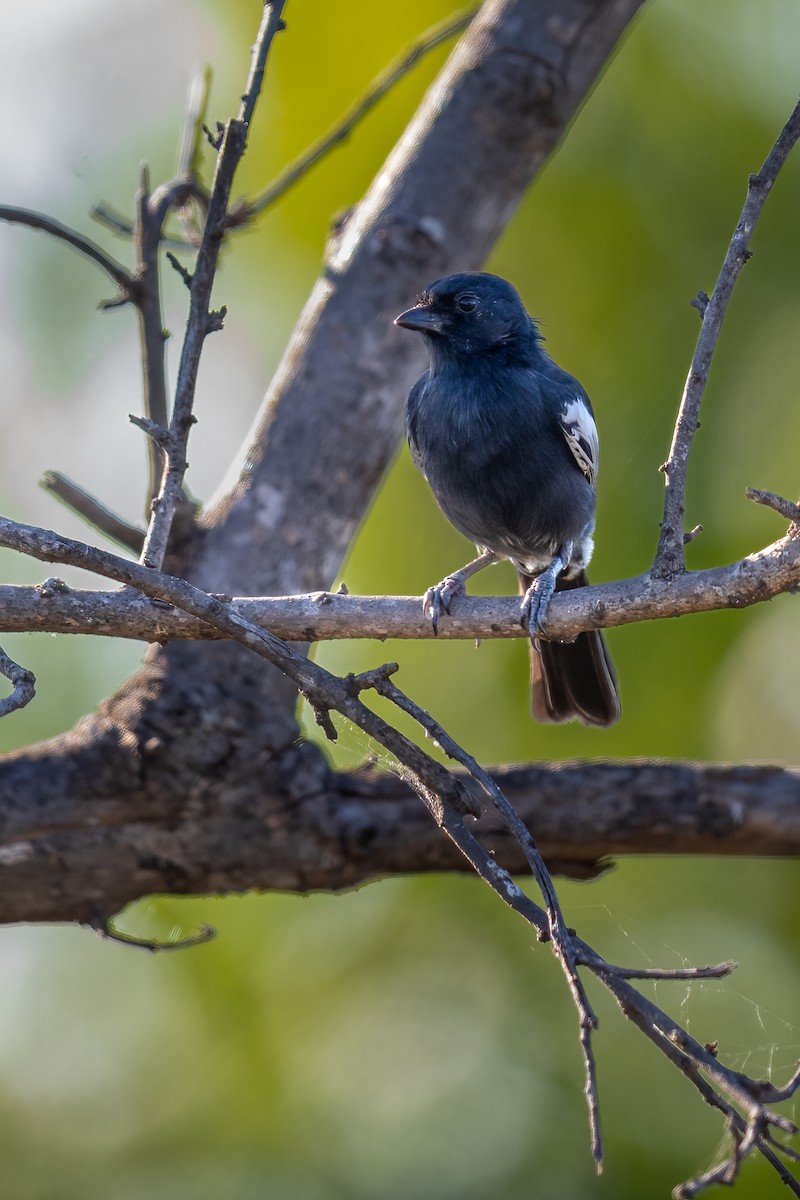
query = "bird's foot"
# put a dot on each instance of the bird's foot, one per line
(438, 599)
(536, 602)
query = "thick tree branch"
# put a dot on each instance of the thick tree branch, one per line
(296, 825)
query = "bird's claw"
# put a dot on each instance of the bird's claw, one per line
(535, 604)
(438, 599)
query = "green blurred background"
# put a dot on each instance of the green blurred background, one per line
(408, 1039)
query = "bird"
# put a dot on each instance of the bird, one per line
(508, 443)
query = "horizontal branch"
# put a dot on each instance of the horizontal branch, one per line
(53, 607)
(101, 845)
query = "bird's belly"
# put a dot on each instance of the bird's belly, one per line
(524, 511)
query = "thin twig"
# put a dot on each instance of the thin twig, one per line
(786, 508)
(152, 336)
(559, 934)
(93, 511)
(152, 211)
(436, 36)
(191, 139)
(23, 681)
(105, 215)
(669, 560)
(718, 971)
(271, 23)
(204, 934)
(34, 220)
(201, 321)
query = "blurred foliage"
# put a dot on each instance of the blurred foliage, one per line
(408, 1039)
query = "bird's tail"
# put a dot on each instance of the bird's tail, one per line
(573, 680)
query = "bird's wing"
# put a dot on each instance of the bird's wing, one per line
(412, 405)
(580, 431)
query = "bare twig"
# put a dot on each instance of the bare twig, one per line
(105, 215)
(24, 683)
(669, 560)
(152, 336)
(718, 971)
(33, 220)
(204, 934)
(93, 511)
(157, 432)
(189, 147)
(201, 321)
(560, 936)
(786, 508)
(436, 36)
(181, 270)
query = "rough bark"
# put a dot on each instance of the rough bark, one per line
(163, 821)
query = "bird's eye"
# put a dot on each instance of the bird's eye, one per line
(467, 302)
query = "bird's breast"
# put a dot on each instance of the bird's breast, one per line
(499, 469)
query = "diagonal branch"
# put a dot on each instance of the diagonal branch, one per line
(93, 511)
(33, 220)
(437, 36)
(669, 559)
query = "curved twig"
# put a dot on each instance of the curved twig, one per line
(24, 684)
(124, 280)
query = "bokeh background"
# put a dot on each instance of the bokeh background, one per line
(408, 1039)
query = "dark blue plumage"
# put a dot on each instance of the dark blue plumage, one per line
(508, 444)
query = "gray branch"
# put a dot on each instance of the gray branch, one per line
(326, 616)
(669, 556)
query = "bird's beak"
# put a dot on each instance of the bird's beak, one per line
(423, 320)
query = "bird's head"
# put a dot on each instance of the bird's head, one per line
(470, 314)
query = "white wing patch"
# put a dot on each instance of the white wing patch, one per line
(578, 427)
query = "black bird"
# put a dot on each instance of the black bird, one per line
(507, 442)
